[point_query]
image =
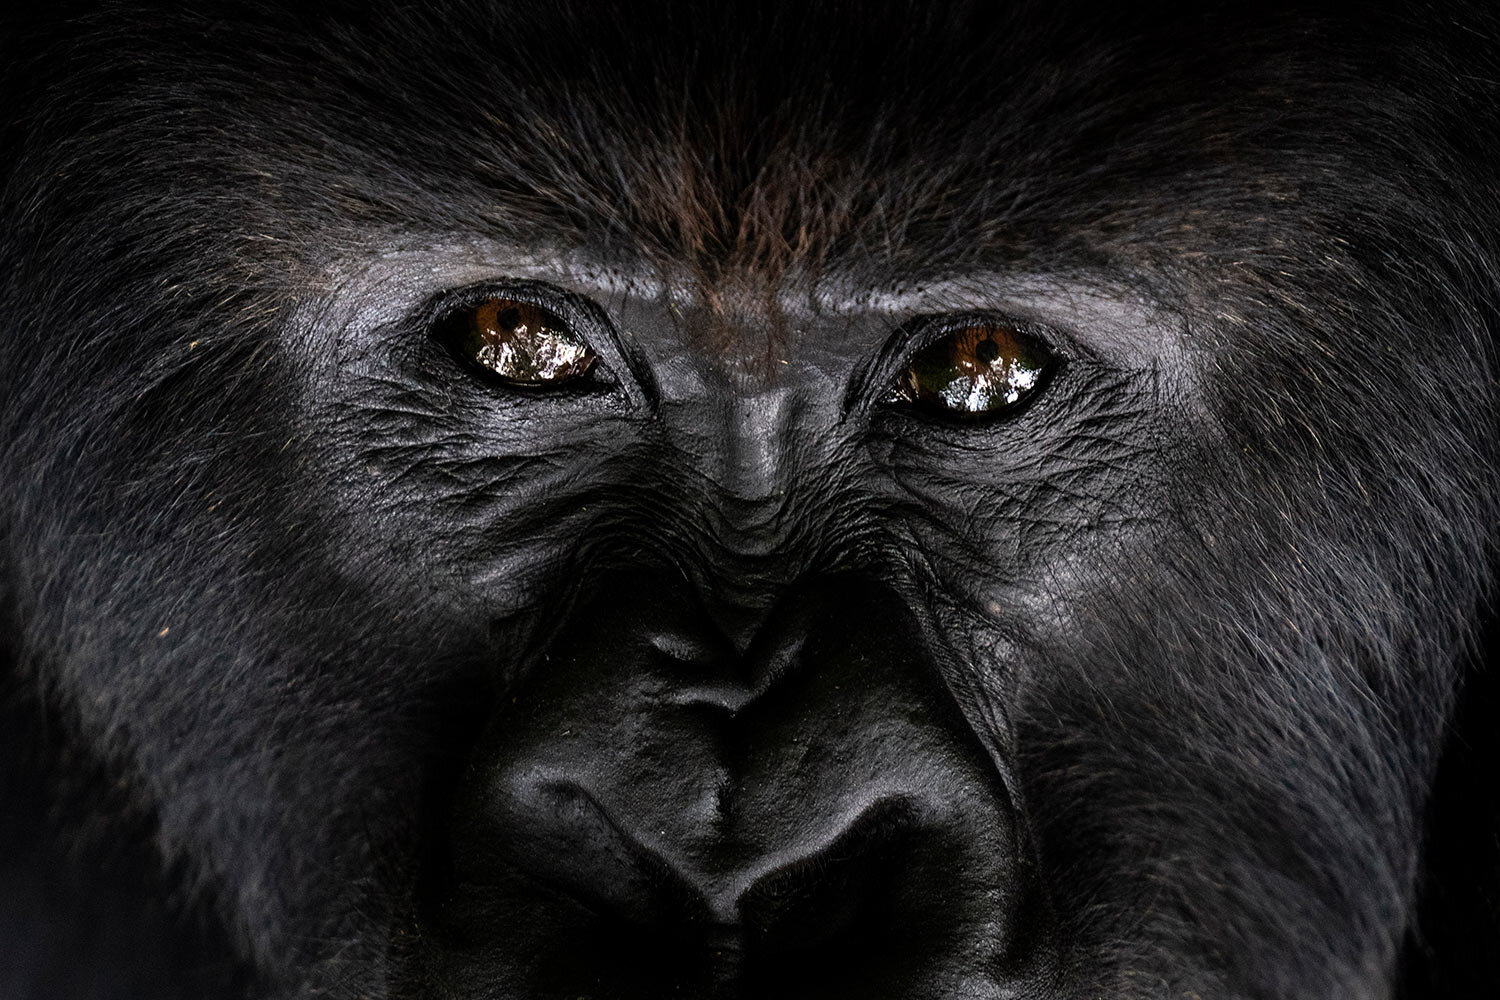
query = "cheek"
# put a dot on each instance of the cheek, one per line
(451, 493)
(1021, 526)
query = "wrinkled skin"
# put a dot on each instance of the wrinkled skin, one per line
(333, 667)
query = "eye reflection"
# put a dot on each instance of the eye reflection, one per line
(982, 368)
(519, 342)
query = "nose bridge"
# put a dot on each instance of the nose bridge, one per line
(755, 451)
(757, 444)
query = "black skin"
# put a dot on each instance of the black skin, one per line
(333, 668)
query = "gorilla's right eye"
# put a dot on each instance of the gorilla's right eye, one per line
(517, 342)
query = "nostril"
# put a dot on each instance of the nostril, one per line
(686, 648)
(855, 889)
(563, 838)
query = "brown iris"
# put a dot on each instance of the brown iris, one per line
(519, 342)
(978, 369)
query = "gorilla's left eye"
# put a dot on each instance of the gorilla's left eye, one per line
(518, 342)
(978, 369)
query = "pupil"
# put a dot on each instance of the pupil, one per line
(987, 350)
(509, 318)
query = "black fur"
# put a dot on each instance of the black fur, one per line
(1221, 603)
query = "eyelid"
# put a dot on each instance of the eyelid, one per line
(563, 303)
(928, 330)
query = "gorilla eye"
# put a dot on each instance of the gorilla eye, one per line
(518, 342)
(979, 369)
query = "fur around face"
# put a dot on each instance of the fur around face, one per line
(1251, 736)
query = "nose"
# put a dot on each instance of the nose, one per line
(759, 447)
(790, 810)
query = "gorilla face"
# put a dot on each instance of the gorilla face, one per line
(516, 503)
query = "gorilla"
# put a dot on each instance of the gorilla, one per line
(519, 501)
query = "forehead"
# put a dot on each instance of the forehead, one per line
(744, 147)
(752, 159)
